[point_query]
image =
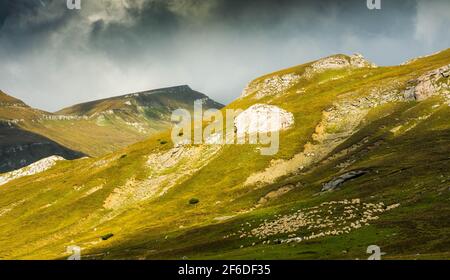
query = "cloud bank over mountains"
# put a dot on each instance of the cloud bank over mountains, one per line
(53, 57)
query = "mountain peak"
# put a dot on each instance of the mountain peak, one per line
(180, 88)
(155, 99)
(341, 61)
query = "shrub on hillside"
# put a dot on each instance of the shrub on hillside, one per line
(194, 201)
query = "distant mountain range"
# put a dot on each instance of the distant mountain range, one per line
(88, 129)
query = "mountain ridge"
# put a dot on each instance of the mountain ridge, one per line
(175, 91)
(118, 121)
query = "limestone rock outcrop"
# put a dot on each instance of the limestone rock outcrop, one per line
(37, 167)
(271, 86)
(263, 118)
(431, 83)
(337, 62)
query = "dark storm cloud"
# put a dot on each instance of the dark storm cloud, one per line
(51, 56)
(28, 17)
(27, 24)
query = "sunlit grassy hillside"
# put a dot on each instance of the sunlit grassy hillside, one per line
(152, 200)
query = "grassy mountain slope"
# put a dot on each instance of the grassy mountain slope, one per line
(350, 118)
(117, 123)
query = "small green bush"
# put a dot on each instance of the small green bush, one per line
(193, 201)
(107, 236)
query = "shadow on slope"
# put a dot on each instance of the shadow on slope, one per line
(19, 148)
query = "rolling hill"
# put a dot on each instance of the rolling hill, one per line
(117, 122)
(365, 161)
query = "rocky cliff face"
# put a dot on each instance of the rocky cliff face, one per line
(337, 62)
(271, 86)
(431, 83)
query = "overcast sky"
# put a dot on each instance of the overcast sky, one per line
(52, 57)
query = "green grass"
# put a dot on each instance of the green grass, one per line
(410, 166)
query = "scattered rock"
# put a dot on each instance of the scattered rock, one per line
(37, 167)
(336, 182)
(337, 62)
(271, 86)
(429, 84)
(393, 206)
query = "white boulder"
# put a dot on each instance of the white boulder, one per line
(263, 118)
